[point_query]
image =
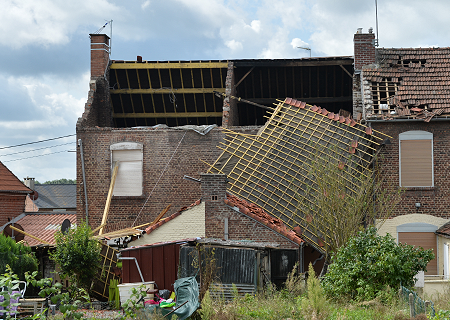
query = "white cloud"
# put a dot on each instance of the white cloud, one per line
(234, 45)
(145, 4)
(48, 22)
(256, 25)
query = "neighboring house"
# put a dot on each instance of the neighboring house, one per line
(52, 197)
(40, 231)
(221, 215)
(12, 195)
(162, 120)
(405, 93)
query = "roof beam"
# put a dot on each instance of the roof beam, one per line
(169, 115)
(167, 90)
(169, 65)
(293, 63)
(307, 100)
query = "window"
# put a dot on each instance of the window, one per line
(129, 176)
(423, 235)
(416, 159)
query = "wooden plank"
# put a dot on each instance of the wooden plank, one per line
(29, 235)
(108, 199)
(169, 65)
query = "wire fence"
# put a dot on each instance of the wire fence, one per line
(416, 304)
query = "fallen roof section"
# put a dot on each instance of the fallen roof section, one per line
(271, 169)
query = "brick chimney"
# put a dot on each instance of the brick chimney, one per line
(364, 44)
(99, 55)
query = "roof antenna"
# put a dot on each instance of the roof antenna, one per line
(376, 22)
(110, 32)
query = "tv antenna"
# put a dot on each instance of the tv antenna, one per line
(306, 48)
(376, 22)
(110, 32)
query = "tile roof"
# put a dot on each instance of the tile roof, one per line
(418, 80)
(53, 196)
(258, 214)
(10, 183)
(444, 230)
(44, 226)
(172, 216)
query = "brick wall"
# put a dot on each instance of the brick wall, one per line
(240, 227)
(158, 147)
(230, 112)
(95, 113)
(11, 206)
(364, 46)
(99, 55)
(434, 200)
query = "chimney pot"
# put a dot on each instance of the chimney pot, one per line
(139, 59)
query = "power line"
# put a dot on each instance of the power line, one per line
(24, 144)
(58, 145)
(41, 155)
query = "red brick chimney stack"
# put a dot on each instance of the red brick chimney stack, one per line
(99, 55)
(364, 44)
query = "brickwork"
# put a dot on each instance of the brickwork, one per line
(434, 200)
(95, 113)
(99, 55)
(230, 112)
(364, 46)
(240, 227)
(158, 147)
(12, 205)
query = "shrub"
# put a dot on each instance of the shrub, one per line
(17, 256)
(369, 263)
(77, 254)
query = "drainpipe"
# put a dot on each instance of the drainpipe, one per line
(84, 179)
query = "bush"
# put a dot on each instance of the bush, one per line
(77, 254)
(369, 263)
(17, 256)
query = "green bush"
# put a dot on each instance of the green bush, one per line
(77, 254)
(369, 263)
(17, 256)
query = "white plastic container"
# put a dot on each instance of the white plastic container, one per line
(125, 290)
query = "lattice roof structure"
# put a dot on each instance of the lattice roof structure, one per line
(270, 169)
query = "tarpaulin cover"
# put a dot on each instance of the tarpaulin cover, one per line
(186, 289)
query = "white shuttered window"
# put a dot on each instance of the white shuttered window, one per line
(129, 176)
(416, 159)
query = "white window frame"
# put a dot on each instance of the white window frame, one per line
(415, 135)
(135, 163)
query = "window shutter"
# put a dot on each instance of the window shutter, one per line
(426, 240)
(416, 163)
(129, 176)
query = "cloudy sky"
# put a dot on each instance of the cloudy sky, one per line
(44, 52)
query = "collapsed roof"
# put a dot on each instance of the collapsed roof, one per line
(408, 83)
(271, 169)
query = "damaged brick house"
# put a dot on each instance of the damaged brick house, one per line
(163, 120)
(405, 93)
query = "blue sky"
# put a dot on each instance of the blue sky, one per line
(44, 52)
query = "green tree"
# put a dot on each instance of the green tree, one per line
(18, 256)
(77, 254)
(369, 263)
(341, 198)
(58, 181)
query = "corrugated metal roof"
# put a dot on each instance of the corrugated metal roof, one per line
(10, 183)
